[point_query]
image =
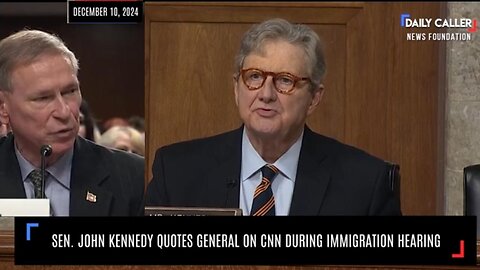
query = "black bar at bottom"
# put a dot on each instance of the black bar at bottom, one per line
(187, 240)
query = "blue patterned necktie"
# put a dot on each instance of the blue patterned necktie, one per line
(263, 200)
(36, 177)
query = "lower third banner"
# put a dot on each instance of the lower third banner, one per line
(182, 240)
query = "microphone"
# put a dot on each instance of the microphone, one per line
(230, 198)
(45, 151)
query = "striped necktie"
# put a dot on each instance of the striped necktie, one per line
(263, 200)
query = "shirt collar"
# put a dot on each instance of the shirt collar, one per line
(252, 161)
(25, 166)
(60, 170)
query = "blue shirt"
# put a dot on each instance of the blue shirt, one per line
(57, 182)
(282, 186)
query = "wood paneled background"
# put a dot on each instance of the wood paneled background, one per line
(384, 94)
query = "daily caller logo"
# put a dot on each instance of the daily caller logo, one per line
(461, 28)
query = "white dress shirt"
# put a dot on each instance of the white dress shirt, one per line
(283, 184)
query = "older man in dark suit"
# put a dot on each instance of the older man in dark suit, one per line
(40, 99)
(274, 164)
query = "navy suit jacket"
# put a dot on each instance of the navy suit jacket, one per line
(117, 179)
(332, 178)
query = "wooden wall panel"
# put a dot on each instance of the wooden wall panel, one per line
(400, 98)
(418, 105)
(189, 77)
(379, 87)
(203, 89)
(193, 81)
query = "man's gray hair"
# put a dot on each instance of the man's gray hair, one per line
(296, 34)
(24, 47)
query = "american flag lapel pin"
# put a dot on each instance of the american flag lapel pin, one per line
(91, 197)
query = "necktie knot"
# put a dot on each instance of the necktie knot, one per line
(269, 172)
(263, 200)
(36, 177)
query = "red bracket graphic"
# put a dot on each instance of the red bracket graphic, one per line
(474, 27)
(462, 251)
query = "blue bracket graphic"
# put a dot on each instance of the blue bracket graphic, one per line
(30, 225)
(402, 19)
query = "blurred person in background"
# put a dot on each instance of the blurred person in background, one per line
(124, 138)
(88, 127)
(138, 123)
(113, 122)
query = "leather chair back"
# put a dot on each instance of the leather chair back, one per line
(471, 193)
(393, 174)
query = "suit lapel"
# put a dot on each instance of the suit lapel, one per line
(87, 197)
(313, 176)
(311, 180)
(10, 175)
(223, 181)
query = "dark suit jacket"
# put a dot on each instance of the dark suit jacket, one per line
(332, 178)
(115, 177)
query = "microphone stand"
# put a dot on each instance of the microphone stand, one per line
(45, 151)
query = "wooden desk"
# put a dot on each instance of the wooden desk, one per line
(7, 262)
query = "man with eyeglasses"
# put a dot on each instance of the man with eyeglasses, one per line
(274, 164)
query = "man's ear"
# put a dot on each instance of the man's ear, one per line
(317, 96)
(235, 89)
(4, 116)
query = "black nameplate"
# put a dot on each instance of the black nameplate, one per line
(191, 211)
